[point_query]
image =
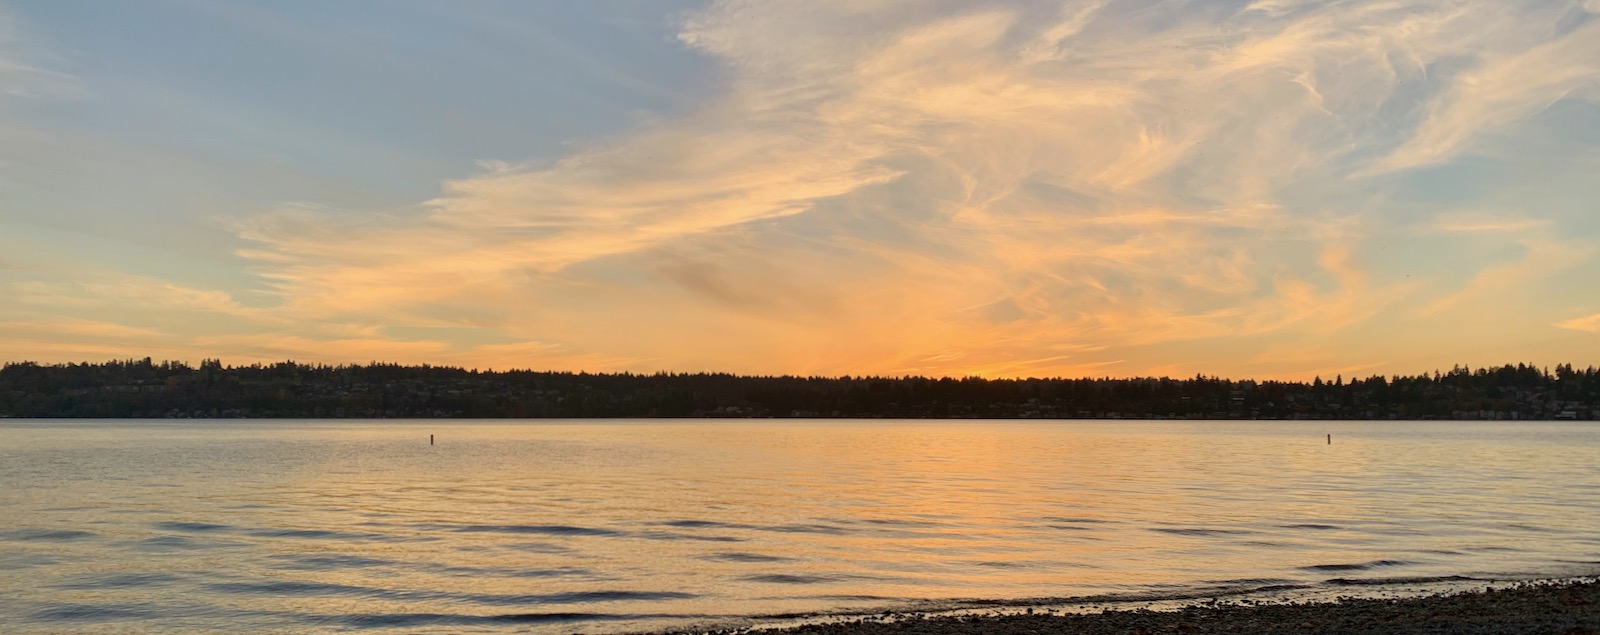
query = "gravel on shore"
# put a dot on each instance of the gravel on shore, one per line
(1557, 608)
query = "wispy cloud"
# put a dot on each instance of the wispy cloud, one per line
(1097, 176)
(24, 71)
(1540, 253)
(75, 329)
(952, 188)
(1524, 67)
(127, 292)
(1587, 324)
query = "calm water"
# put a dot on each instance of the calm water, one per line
(296, 526)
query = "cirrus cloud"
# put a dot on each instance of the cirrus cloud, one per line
(996, 188)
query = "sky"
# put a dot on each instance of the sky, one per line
(1251, 189)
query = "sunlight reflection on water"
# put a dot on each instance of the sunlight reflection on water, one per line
(619, 525)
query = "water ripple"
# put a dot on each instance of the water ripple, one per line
(401, 620)
(667, 535)
(549, 530)
(329, 562)
(1075, 521)
(1198, 531)
(317, 534)
(1399, 580)
(120, 581)
(1363, 566)
(186, 526)
(507, 572)
(736, 556)
(45, 535)
(807, 529)
(299, 588)
(95, 613)
(704, 523)
(785, 578)
(179, 543)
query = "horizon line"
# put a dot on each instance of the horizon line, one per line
(170, 363)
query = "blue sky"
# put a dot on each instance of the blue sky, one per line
(159, 118)
(1272, 188)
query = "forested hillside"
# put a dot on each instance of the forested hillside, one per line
(144, 388)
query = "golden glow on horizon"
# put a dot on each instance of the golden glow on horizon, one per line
(889, 189)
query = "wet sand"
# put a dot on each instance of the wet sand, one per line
(1564, 608)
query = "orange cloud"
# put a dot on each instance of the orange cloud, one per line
(887, 188)
(1587, 324)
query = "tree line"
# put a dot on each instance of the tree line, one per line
(144, 388)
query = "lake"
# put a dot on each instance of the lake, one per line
(618, 526)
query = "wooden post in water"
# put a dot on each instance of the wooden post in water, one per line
(1330, 439)
(430, 440)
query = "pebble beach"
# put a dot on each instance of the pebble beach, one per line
(1560, 608)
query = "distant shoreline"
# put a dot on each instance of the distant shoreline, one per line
(1570, 607)
(144, 389)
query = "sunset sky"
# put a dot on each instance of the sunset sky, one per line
(1268, 189)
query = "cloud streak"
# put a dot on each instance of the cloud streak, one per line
(22, 75)
(949, 188)
(1030, 189)
(1587, 324)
